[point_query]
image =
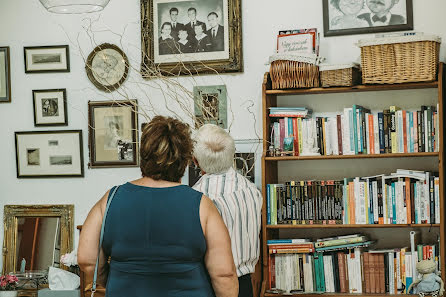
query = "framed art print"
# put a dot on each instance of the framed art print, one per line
(5, 75)
(190, 37)
(347, 17)
(40, 59)
(50, 107)
(49, 154)
(113, 133)
(210, 105)
(107, 67)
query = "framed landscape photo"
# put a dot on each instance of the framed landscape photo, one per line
(5, 75)
(50, 107)
(113, 133)
(190, 37)
(40, 59)
(347, 17)
(49, 154)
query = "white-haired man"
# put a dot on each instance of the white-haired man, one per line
(237, 199)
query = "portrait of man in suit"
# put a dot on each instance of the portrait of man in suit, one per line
(176, 26)
(215, 33)
(190, 26)
(381, 14)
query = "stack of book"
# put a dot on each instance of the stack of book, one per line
(403, 197)
(359, 131)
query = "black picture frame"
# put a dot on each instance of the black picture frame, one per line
(27, 51)
(20, 174)
(102, 158)
(36, 105)
(367, 30)
(7, 75)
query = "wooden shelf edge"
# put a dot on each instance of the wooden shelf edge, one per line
(358, 88)
(374, 156)
(333, 295)
(317, 226)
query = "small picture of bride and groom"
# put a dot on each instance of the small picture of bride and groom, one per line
(343, 17)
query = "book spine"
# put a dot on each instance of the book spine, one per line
(405, 132)
(339, 133)
(393, 134)
(268, 204)
(296, 137)
(415, 131)
(381, 135)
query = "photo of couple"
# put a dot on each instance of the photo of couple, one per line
(190, 29)
(368, 15)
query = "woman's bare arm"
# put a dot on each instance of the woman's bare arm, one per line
(218, 258)
(87, 252)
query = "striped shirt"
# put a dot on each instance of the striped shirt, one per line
(240, 204)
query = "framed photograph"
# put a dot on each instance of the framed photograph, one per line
(40, 59)
(50, 107)
(210, 106)
(5, 75)
(113, 133)
(190, 37)
(49, 154)
(347, 17)
(107, 67)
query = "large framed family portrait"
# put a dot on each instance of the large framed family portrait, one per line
(190, 37)
(113, 133)
(347, 17)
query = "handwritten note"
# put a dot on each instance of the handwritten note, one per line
(295, 43)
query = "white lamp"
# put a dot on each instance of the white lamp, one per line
(74, 6)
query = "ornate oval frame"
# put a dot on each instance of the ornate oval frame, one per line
(88, 67)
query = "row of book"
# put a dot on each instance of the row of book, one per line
(403, 197)
(293, 269)
(357, 131)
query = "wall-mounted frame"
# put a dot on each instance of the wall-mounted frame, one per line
(190, 37)
(42, 59)
(49, 154)
(5, 75)
(107, 67)
(50, 107)
(361, 17)
(113, 133)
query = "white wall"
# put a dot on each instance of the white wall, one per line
(27, 23)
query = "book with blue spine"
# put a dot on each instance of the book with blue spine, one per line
(381, 132)
(268, 204)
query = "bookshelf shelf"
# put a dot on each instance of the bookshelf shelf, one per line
(331, 157)
(360, 88)
(307, 226)
(274, 171)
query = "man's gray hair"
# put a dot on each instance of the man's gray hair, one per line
(214, 149)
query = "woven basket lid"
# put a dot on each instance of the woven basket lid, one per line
(400, 39)
(304, 58)
(326, 67)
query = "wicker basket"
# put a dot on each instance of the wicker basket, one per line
(399, 60)
(340, 75)
(293, 72)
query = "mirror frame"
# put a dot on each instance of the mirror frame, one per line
(11, 214)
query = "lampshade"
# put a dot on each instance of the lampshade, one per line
(74, 6)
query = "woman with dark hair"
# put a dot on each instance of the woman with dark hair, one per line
(162, 238)
(166, 44)
(349, 19)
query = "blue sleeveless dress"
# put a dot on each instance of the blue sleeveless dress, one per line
(156, 243)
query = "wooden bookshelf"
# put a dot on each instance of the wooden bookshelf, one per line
(334, 295)
(271, 174)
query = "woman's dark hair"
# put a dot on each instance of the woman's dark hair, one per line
(166, 24)
(166, 149)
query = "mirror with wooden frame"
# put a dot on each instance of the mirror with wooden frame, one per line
(40, 234)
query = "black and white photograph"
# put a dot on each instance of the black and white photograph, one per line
(33, 156)
(5, 76)
(195, 31)
(50, 107)
(41, 59)
(210, 105)
(346, 17)
(244, 163)
(49, 154)
(194, 174)
(113, 133)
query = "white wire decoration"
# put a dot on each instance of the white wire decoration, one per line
(74, 6)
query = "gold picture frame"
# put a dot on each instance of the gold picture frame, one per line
(205, 57)
(13, 212)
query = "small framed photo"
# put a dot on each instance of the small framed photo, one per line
(49, 154)
(210, 105)
(40, 59)
(5, 75)
(50, 107)
(359, 16)
(113, 133)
